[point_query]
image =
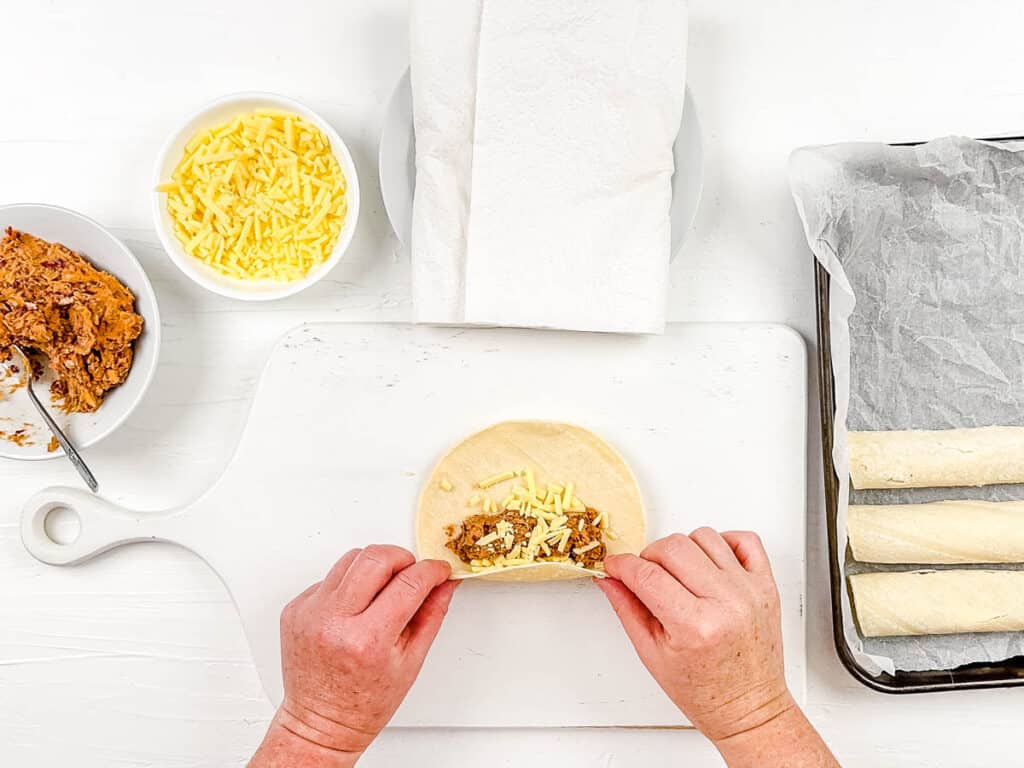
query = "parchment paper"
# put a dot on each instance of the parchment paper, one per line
(925, 246)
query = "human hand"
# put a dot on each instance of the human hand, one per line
(703, 613)
(351, 647)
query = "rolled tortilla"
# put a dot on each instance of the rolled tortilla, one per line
(555, 452)
(944, 532)
(937, 459)
(938, 602)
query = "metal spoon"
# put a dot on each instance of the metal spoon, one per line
(62, 439)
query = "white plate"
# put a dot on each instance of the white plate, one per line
(397, 165)
(221, 111)
(83, 235)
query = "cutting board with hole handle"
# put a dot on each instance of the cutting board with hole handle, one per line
(347, 423)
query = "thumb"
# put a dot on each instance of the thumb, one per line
(426, 623)
(641, 626)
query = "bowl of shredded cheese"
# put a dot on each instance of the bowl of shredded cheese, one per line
(255, 197)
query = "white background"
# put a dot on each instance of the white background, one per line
(137, 659)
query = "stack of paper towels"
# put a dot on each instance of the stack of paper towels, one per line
(544, 133)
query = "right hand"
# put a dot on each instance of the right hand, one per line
(703, 613)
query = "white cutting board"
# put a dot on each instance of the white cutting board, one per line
(349, 420)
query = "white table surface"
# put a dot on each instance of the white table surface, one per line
(137, 658)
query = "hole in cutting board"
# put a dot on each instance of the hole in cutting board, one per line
(62, 525)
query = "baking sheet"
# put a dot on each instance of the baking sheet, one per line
(925, 247)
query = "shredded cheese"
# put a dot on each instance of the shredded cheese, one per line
(259, 198)
(583, 550)
(531, 483)
(446, 485)
(565, 540)
(522, 493)
(567, 497)
(548, 510)
(495, 479)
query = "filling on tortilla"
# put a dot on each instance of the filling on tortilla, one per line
(530, 526)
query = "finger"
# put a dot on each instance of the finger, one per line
(306, 593)
(339, 569)
(405, 594)
(424, 626)
(298, 600)
(716, 548)
(680, 556)
(369, 573)
(749, 551)
(655, 587)
(640, 624)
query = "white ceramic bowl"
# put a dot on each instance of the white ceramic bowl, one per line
(106, 252)
(221, 111)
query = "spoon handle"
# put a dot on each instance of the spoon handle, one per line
(69, 449)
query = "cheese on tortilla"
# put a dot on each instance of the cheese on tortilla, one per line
(547, 451)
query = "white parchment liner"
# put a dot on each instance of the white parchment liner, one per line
(925, 248)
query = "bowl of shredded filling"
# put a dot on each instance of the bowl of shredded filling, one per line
(255, 197)
(77, 301)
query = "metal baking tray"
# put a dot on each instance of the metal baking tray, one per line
(1004, 674)
(1007, 673)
